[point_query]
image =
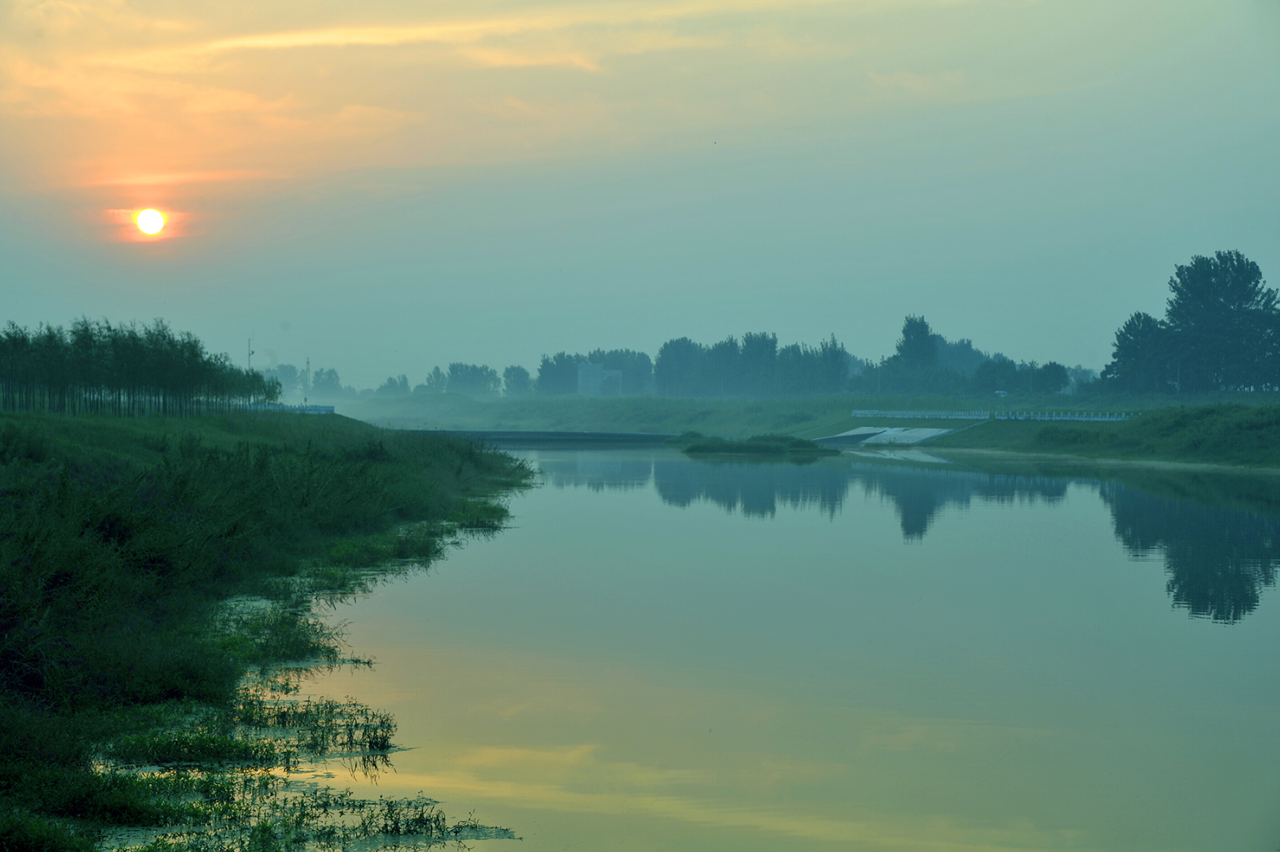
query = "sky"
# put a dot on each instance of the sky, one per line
(388, 186)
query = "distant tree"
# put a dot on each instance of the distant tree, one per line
(1051, 378)
(677, 367)
(291, 379)
(1081, 376)
(394, 386)
(636, 369)
(793, 371)
(326, 383)
(558, 374)
(832, 367)
(959, 355)
(917, 348)
(721, 372)
(435, 382)
(997, 374)
(473, 379)
(759, 353)
(754, 367)
(516, 381)
(914, 367)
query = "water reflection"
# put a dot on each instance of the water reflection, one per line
(756, 489)
(1217, 559)
(1219, 539)
(920, 494)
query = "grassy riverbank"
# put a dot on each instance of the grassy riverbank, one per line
(122, 542)
(1228, 434)
(728, 417)
(1237, 429)
(731, 418)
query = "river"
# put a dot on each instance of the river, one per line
(863, 653)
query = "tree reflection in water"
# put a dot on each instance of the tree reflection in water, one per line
(1218, 557)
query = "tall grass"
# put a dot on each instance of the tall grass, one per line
(118, 553)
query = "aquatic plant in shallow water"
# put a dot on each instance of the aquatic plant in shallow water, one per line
(235, 779)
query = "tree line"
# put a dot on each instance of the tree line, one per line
(100, 368)
(1220, 331)
(751, 366)
(926, 362)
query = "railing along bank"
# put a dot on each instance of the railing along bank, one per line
(1076, 416)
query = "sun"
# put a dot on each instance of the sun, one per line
(150, 221)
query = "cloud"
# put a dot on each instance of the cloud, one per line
(181, 178)
(101, 94)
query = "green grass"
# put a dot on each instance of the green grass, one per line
(1224, 428)
(124, 544)
(806, 417)
(655, 415)
(1231, 434)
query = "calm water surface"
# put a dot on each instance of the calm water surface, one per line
(664, 654)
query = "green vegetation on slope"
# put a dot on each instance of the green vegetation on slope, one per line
(732, 418)
(1221, 434)
(121, 541)
(1224, 428)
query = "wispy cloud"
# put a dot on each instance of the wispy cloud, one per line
(97, 93)
(181, 178)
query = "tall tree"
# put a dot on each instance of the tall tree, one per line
(1140, 357)
(722, 368)
(558, 374)
(394, 386)
(326, 383)
(759, 354)
(677, 367)
(917, 348)
(473, 379)
(436, 382)
(1221, 318)
(636, 368)
(515, 381)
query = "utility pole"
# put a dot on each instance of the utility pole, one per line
(250, 350)
(306, 382)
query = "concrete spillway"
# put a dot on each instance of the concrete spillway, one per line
(872, 435)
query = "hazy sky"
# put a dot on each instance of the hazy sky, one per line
(386, 186)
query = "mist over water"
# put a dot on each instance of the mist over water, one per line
(848, 654)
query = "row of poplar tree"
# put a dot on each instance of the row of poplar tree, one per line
(100, 368)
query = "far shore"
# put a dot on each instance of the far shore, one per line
(1150, 464)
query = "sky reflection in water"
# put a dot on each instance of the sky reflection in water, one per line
(852, 656)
